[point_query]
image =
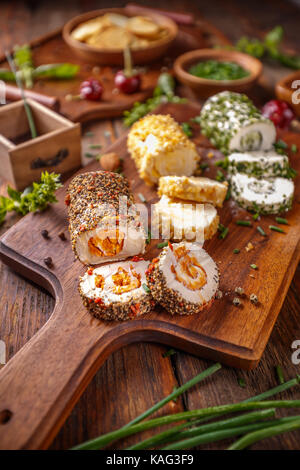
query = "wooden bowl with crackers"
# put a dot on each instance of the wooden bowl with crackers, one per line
(101, 36)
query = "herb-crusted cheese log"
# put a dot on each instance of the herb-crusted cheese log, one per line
(117, 291)
(159, 147)
(183, 279)
(193, 188)
(101, 228)
(178, 219)
(232, 123)
(260, 164)
(266, 196)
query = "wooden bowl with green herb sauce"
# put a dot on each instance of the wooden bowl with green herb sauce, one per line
(209, 71)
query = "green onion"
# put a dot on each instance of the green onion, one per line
(89, 134)
(282, 221)
(173, 434)
(146, 288)
(142, 197)
(255, 216)
(162, 245)
(276, 229)
(245, 223)
(236, 251)
(280, 376)
(253, 266)
(255, 436)
(261, 231)
(168, 353)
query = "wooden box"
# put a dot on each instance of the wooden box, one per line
(56, 148)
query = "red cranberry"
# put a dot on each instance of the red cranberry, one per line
(279, 112)
(127, 84)
(91, 89)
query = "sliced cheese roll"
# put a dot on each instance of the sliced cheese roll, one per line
(232, 123)
(183, 279)
(117, 291)
(267, 195)
(159, 147)
(178, 219)
(103, 221)
(193, 188)
(259, 164)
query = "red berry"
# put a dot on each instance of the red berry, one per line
(127, 84)
(279, 112)
(91, 89)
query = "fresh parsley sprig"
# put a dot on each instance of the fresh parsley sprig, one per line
(32, 199)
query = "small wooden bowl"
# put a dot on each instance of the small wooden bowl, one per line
(285, 92)
(205, 87)
(104, 56)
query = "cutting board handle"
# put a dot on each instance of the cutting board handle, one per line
(41, 383)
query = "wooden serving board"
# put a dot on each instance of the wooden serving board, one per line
(41, 383)
(51, 48)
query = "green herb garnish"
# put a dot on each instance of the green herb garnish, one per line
(220, 176)
(95, 146)
(218, 70)
(170, 352)
(162, 245)
(236, 251)
(261, 231)
(294, 148)
(280, 376)
(142, 197)
(241, 382)
(187, 129)
(164, 92)
(244, 223)
(27, 73)
(146, 288)
(276, 229)
(253, 266)
(269, 48)
(32, 199)
(282, 221)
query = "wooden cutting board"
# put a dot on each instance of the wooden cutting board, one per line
(51, 48)
(41, 383)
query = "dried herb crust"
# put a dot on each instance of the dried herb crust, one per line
(85, 196)
(171, 300)
(118, 310)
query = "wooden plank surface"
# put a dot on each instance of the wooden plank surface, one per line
(99, 408)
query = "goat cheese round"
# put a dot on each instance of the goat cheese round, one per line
(267, 195)
(184, 279)
(259, 164)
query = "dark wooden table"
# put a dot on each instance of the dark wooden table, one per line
(136, 377)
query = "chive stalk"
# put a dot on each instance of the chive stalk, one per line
(279, 372)
(227, 433)
(162, 245)
(175, 434)
(258, 435)
(276, 229)
(214, 411)
(281, 220)
(245, 223)
(261, 231)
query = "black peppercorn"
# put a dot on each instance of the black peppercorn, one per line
(48, 262)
